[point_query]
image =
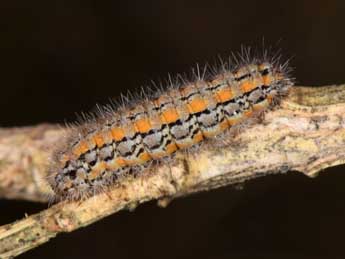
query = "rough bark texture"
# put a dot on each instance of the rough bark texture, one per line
(306, 134)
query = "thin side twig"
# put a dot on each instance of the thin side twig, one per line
(306, 133)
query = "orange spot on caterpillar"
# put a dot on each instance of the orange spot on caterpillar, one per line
(81, 148)
(224, 125)
(94, 174)
(143, 125)
(234, 120)
(247, 86)
(121, 162)
(144, 157)
(98, 138)
(267, 79)
(269, 98)
(224, 95)
(97, 170)
(171, 148)
(169, 116)
(197, 105)
(117, 133)
(198, 137)
(248, 113)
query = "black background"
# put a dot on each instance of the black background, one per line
(61, 57)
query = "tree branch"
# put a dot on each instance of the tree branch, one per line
(306, 133)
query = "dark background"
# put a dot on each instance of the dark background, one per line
(61, 57)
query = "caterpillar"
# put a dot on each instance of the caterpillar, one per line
(122, 140)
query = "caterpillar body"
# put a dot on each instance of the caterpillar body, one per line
(122, 141)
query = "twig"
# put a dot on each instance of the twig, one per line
(306, 134)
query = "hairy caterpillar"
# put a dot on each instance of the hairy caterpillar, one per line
(124, 140)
